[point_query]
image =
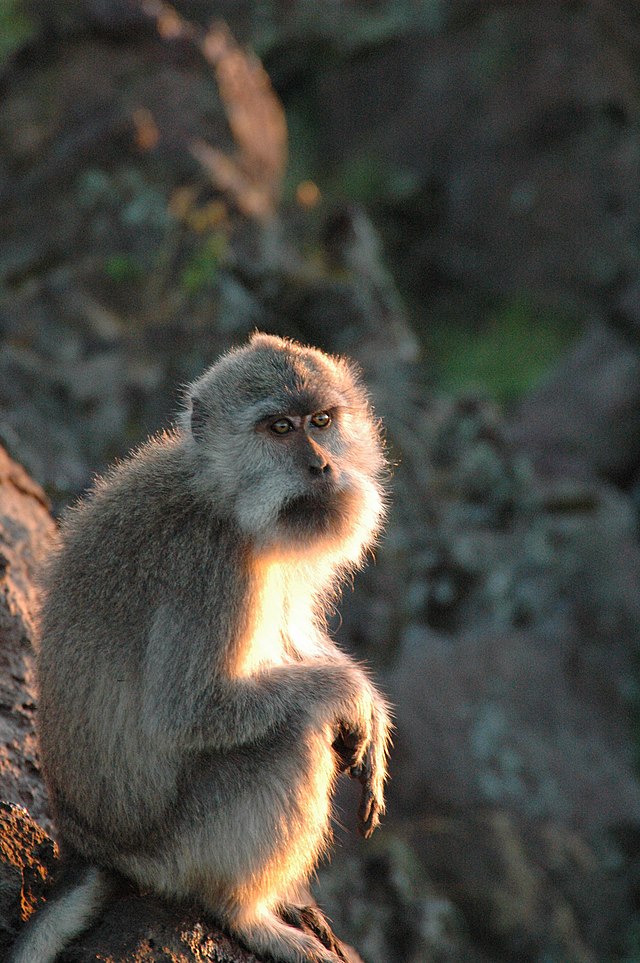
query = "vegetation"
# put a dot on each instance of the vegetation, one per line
(506, 355)
(15, 27)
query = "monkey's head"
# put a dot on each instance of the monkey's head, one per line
(285, 438)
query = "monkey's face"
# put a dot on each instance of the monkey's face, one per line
(320, 495)
(297, 459)
(309, 482)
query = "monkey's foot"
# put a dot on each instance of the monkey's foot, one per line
(268, 934)
(310, 918)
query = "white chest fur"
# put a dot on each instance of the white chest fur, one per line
(283, 628)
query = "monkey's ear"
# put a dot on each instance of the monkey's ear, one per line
(198, 419)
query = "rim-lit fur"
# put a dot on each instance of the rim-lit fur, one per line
(254, 480)
(189, 694)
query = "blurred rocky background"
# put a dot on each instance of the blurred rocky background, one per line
(446, 190)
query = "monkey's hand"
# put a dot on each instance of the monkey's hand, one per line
(371, 805)
(371, 771)
(350, 747)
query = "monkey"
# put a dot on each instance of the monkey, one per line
(194, 711)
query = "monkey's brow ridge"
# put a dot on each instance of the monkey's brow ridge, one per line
(294, 404)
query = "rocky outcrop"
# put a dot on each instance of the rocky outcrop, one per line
(515, 762)
(26, 533)
(133, 928)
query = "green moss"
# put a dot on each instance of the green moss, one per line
(123, 268)
(16, 27)
(510, 351)
(201, 270)
(368, 179)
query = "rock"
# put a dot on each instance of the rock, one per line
(514, 770)
(26, 534)
(384, 898)
(490, 172)
(503, 610)
(536, 892)
(132, 928)
(584, 418)
(514, 764)
(27, 859)
(132, 266)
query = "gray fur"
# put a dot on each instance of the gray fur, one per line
(190, 697)
(60, 921)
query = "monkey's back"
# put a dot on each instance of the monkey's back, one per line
(140, 544)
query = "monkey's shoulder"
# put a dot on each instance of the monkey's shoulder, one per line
(159, 471)
(143, 516)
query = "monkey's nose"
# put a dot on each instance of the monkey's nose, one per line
(316, 459)
(320, 467)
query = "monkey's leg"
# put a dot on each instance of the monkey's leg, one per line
(295, 783)
(253, 824)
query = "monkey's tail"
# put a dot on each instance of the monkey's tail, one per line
(70, 909)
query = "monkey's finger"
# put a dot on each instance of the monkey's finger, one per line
(346, 758)
(367, 812)
(344, 764)
(367, 829)
(363, 770)
(350, 738)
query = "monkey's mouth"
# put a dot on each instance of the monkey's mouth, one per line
(324, 512)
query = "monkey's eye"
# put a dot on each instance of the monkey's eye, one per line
(321, 419)
(281, 426)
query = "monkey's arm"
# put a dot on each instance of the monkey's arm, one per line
(364, 755)
(192, 701)
(365, 759)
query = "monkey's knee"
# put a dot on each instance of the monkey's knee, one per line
(272, 830)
